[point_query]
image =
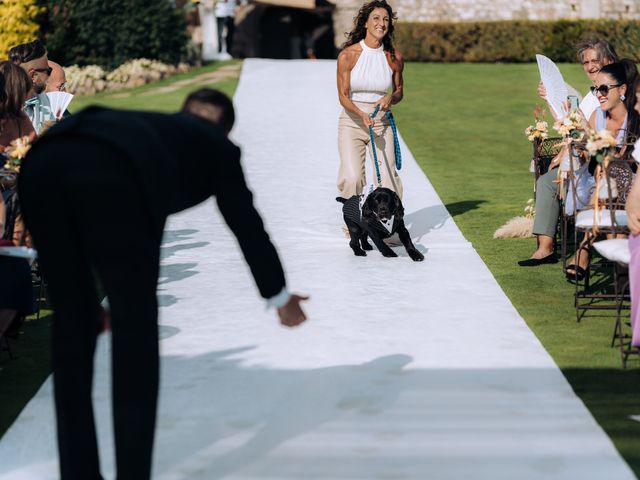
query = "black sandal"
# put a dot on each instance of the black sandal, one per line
(578, 272)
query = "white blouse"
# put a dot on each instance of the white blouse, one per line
(371, 77)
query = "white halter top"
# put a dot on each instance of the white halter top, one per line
(371, 77)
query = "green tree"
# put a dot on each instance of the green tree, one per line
(110, 33)
(18, 23)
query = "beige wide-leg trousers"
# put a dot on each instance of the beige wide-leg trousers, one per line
(353, 138)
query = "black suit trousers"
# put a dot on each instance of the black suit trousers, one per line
(88, 218)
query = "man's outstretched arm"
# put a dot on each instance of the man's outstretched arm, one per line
(235, 202)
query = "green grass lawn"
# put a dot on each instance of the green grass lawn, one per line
(465, 126)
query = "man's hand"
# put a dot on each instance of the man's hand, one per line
(291, 314)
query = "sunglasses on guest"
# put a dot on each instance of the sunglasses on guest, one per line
(47, 70)
(603, 89)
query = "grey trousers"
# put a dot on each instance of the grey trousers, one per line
(545, 221)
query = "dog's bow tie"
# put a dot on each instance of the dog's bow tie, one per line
(388, 224)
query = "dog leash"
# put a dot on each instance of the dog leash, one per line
(396, 142)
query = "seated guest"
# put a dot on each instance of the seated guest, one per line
(16, 296)
(615, 90)
(32, 57)
(15, 85)
(593, 54)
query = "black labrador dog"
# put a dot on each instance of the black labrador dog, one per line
(382, 215)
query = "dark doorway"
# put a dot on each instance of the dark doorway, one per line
(285, 33)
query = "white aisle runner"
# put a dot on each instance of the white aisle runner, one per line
(404, 371)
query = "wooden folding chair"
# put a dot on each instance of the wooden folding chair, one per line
(608, 218)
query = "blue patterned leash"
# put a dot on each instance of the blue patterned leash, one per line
(396, 143)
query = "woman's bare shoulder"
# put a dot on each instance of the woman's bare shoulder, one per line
(349, 55)
(396, 61)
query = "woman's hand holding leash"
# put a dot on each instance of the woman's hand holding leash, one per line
(367, 120)
(291, 314)
(385, 103)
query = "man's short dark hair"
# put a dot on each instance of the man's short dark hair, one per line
(26, 52)
(209, 96)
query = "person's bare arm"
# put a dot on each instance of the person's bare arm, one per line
(397, 66)
(346, 61)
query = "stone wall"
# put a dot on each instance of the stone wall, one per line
(489, 10)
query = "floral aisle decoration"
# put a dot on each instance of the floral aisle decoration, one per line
(540, 128)
(11, 160)
(601, 145)
(15, 153)
(536, 134)
(572, 129)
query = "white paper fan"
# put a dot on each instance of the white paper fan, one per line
(554, 84)
(59, 102)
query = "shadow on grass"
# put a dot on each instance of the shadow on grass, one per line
(22, 376)
(458, 208)
(612, 396)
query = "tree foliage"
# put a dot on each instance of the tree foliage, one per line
(18, 23)
(109, 33)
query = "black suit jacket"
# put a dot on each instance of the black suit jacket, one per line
(181, 160)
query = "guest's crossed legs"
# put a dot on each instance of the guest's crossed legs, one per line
(547, 210)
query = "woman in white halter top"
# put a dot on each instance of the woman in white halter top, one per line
(369, 74)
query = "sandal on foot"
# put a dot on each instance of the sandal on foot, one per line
(578, 272)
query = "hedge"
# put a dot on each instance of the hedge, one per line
(511, 41)
(109, 33)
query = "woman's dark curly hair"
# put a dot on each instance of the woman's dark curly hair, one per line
(15, 85)
(359, 32)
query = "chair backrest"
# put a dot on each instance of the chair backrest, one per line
(618, 178)
(544, 152)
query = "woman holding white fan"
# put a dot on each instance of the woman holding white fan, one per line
(593, 54)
